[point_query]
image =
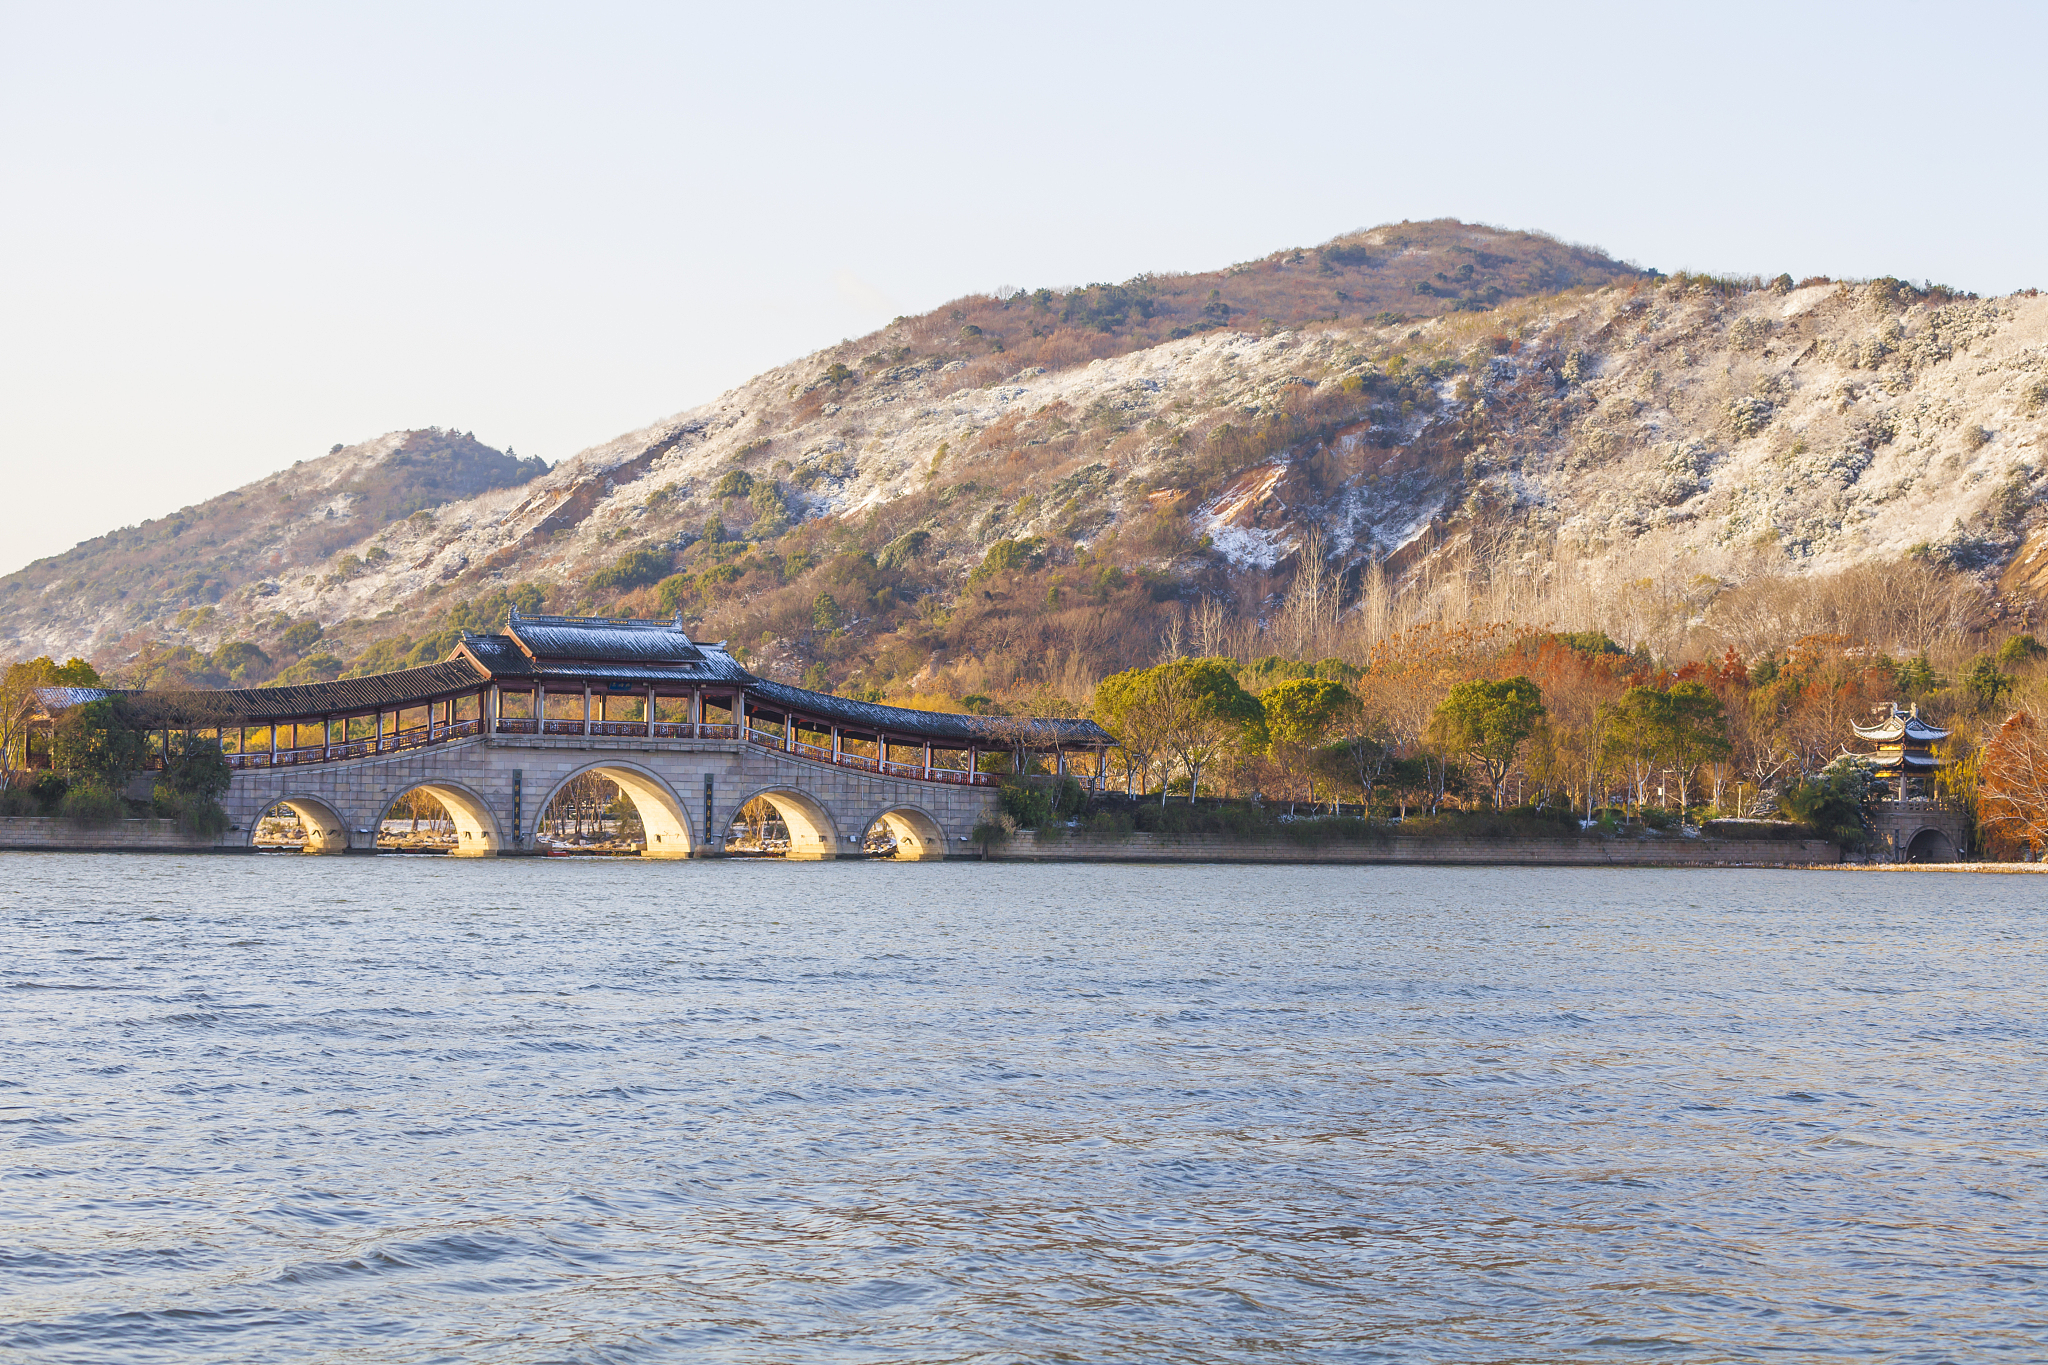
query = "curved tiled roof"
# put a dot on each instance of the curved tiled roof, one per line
(203, 710)
(994, 731)
(1905, 725)
(596, 640)
(583, 647)
(577, 651)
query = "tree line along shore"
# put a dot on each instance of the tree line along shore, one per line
(1444, 730)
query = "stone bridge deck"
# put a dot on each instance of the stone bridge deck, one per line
(686, 790)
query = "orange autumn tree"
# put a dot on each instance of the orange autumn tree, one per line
(2012, 783)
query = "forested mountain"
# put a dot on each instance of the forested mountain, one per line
(1023, 491)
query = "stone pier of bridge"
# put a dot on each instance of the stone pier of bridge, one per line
(687, 792)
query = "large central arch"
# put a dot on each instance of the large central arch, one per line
(813, 837)
(661, 812)
(476, 829)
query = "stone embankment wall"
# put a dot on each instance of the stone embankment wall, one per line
(1026, 846)
(47, 833)
(44, 833)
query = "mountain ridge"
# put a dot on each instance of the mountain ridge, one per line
(870, 514)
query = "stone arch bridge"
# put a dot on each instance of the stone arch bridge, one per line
(689, 736)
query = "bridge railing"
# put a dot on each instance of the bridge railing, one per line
(619, 729)
(418, 737)
(422, 736)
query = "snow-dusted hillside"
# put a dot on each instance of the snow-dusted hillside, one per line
(1685, 428)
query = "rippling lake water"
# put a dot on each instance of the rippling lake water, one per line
(412, 1109)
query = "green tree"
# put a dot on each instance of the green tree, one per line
(1200, 713)
(1364, 752)
(1007, 555)
(771, 517)
(1487, 723)
(1634, 733)
(75, 672)
(2019, 651)
(94, 746)
(1299, 717)
(675, 592)
(195, 776)
(825, 613)
(1987, 684)
(635, 568)
(1651, 728)
(1832, 801)
(241, 660)
(1916, 677)
(1696, 732)
(1120, 709)
(300, 636)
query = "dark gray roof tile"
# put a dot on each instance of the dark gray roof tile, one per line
(205, 710)
(574, 650)
(988, 731)
(593, 639)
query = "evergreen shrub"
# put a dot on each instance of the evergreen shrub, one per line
(92, 807)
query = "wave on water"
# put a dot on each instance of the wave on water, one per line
(807, 1113)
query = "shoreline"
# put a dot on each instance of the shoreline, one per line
(49, 835)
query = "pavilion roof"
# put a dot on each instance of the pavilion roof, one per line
(597, 640)
(585, 648)
(1902, 725)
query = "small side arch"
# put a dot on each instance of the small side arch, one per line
(919, 837)
(326, 828)
(813, 835)
(476, 828)
(661, 812)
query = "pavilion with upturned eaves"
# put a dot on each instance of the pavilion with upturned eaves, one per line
(1905, 759)
(1914, 822)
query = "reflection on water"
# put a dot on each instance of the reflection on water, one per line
(264, 1109)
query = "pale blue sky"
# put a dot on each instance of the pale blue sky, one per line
(234, 235)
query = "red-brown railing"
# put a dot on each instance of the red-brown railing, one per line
(418, 737)
(421, 736)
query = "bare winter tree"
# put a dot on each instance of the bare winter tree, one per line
(1210, 623)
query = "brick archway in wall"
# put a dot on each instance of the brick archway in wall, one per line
(1930, 845)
